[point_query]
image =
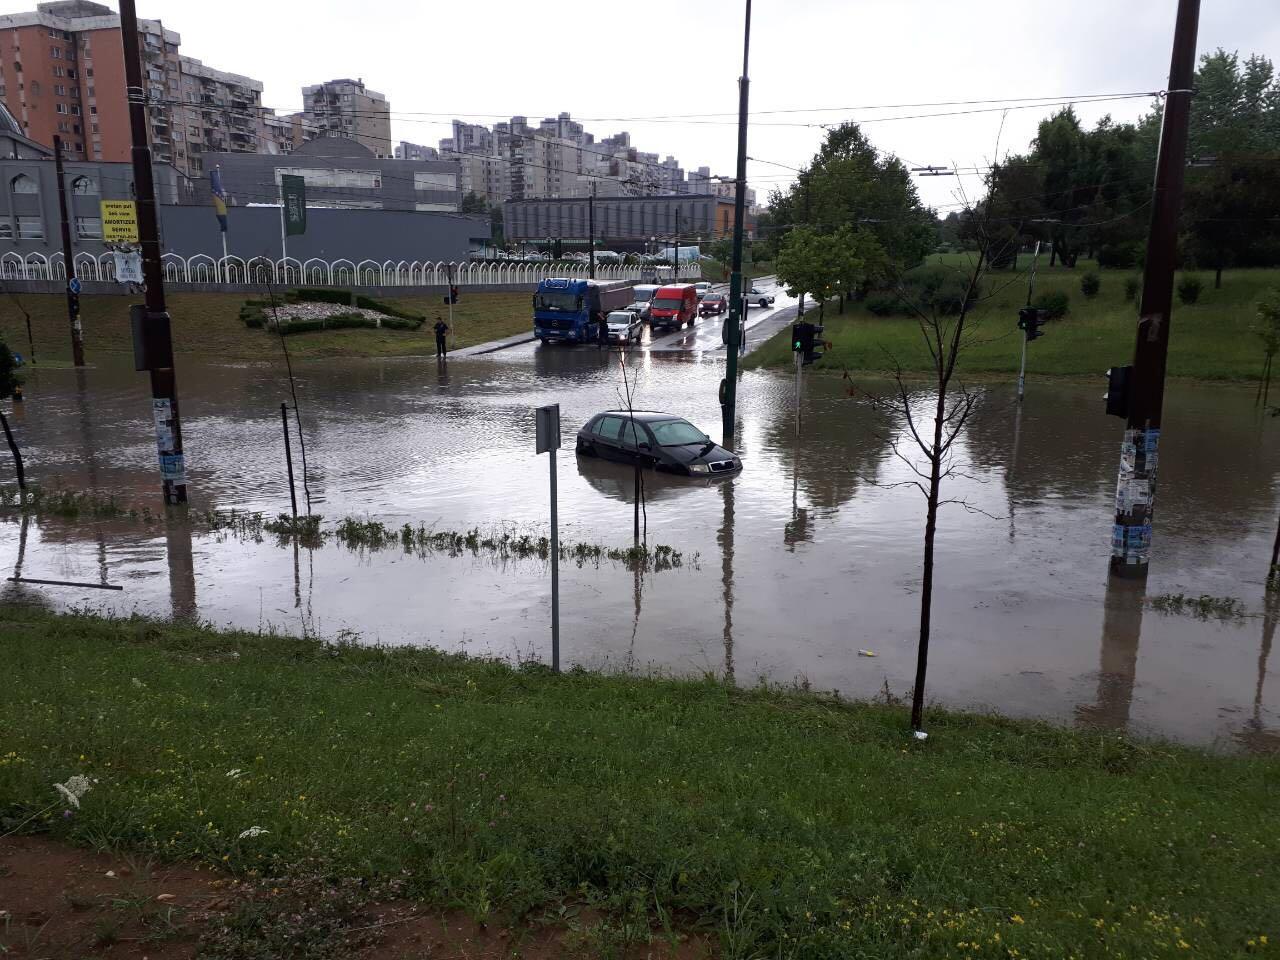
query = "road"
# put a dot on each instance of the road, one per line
(702, 339)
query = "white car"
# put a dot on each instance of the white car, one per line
(624, 326)
(703, 289)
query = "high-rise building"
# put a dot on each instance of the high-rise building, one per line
(62, 72)
(347, 108)
(415, 151)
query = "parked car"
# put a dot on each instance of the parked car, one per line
(761, 298)
(640, 308)
(713, 304)
(703, 288)
(659, 440)
(624, 326)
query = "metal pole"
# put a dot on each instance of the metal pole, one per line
(288, 458)
(675, 275)
(1031, 285)
(453, 340)
(73, 298)
(155, 326)
(1022, 370)
(591, 230)
(284, 243)
(730, 386)
(555, 571)
(1139, 453)
(17, 454)
(224, 257)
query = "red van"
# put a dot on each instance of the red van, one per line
(673, 306)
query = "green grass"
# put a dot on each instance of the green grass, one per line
(1210, 340)
(718, 272)
(785, 824)
(207, 326)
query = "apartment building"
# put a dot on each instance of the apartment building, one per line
(347, 108)
(62, 72)
(415, 151)
(284, 134)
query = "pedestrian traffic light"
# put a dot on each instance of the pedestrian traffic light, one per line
(797, 338)
(1029, 322)
(803, 336)
(452, 296)
(1117, 395)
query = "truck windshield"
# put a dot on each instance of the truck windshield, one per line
(665, 303)
(557, 300)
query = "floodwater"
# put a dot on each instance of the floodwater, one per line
(811, 555)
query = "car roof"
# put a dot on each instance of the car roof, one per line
(644, 416)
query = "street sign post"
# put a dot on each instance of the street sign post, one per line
(547, 424)
(74, 285)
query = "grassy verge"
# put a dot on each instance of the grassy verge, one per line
(208, 327)
(788, 825)
(1211, 339)
(718, 272)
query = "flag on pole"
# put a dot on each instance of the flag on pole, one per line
(219, 197)
(293, 194)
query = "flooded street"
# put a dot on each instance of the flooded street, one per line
(807, 557)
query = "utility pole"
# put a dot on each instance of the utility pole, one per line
(591, 230)
(729, 386)
(675, 269)
(1031, 286)
(153, 328)
(73, 284)
(1139, 453)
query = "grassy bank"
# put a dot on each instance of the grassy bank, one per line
(786, 825)
(718, 272)
(1210, 340)
(207, 327)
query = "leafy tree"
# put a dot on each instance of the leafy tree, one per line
(474, 204)
(1267, 329)
(808, 262)
(848, 182)
(496, 226)
(9, 378)
(858, 261)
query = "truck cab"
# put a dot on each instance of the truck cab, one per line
(567, 310)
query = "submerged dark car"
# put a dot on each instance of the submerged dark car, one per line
(657, 440)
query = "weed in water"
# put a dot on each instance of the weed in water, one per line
(1203, 607)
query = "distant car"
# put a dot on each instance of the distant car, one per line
(659, 440)
(761, 298)
(703, 289)
(640, 308)
(713, 304)
(624, 326)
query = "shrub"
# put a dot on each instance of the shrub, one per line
(883, 304)
(1131, 287)
(1189, 288)
(319, 295)
(348, 321)
(1119, 256)
(371, 304)
(301, 326)
(1055, 304)
(1090, 284)
(402, 323)
(253, 316)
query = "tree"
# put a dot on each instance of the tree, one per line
(1267, 329)
(9, 381)
(473, 204)
(807, 263)
(858, 261)
(496, 226)
(849, 182)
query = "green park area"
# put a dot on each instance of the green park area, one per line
(208, 327)
(1211, 339)
(636, 811)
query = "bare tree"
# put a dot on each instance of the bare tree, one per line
(948, 328)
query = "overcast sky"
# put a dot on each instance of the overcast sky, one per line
(604, 61)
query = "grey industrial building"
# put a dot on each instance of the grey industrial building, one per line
(621, 222)
(423, 226)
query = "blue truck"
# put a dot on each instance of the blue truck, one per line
(571, 311)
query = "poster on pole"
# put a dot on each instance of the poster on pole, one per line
(119, 221)
(293, 193)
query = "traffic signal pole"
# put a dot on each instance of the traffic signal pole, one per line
(156, 339)
(1139, 452)
(68, 257)
(729, 386)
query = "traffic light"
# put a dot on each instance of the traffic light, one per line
(1029, 322)
(452, 295)
(803, 336)
(1117, 396)
(797, 337)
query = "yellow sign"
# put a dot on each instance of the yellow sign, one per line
(119, 221)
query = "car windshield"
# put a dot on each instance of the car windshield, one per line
(676, 433)
(557, 300)
(620, 319)
(665, 303)
(714, 298)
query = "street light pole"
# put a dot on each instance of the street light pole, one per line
(591, 230)
(1139, 453)
(729, 386)
(68, 257)
(156, 337)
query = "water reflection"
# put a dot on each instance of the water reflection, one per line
(1255, 735)
(182, 571)
(1118, 662)
(725, 539)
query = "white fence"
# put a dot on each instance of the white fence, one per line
(329, 273)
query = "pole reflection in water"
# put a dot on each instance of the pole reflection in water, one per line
(725, 539)
(90, 457)
(1121, 634)
(638, 592)
(1255, 736)
(182, 573)
(1013, 467)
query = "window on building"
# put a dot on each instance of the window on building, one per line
(88, 75)
(71, 72)
(94, 129)
(351, 179)
(75, 128)
(61, 108)
(55, 52)
(60, 89)
(30, 228)
(435, 181)
(75, 110)
(6, 229)
(79, 146)
(59, 72)
(89, 228)
(17, 67)
(84, 186)
(24, 184)
(35, 88)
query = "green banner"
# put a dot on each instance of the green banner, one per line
(293, 193)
